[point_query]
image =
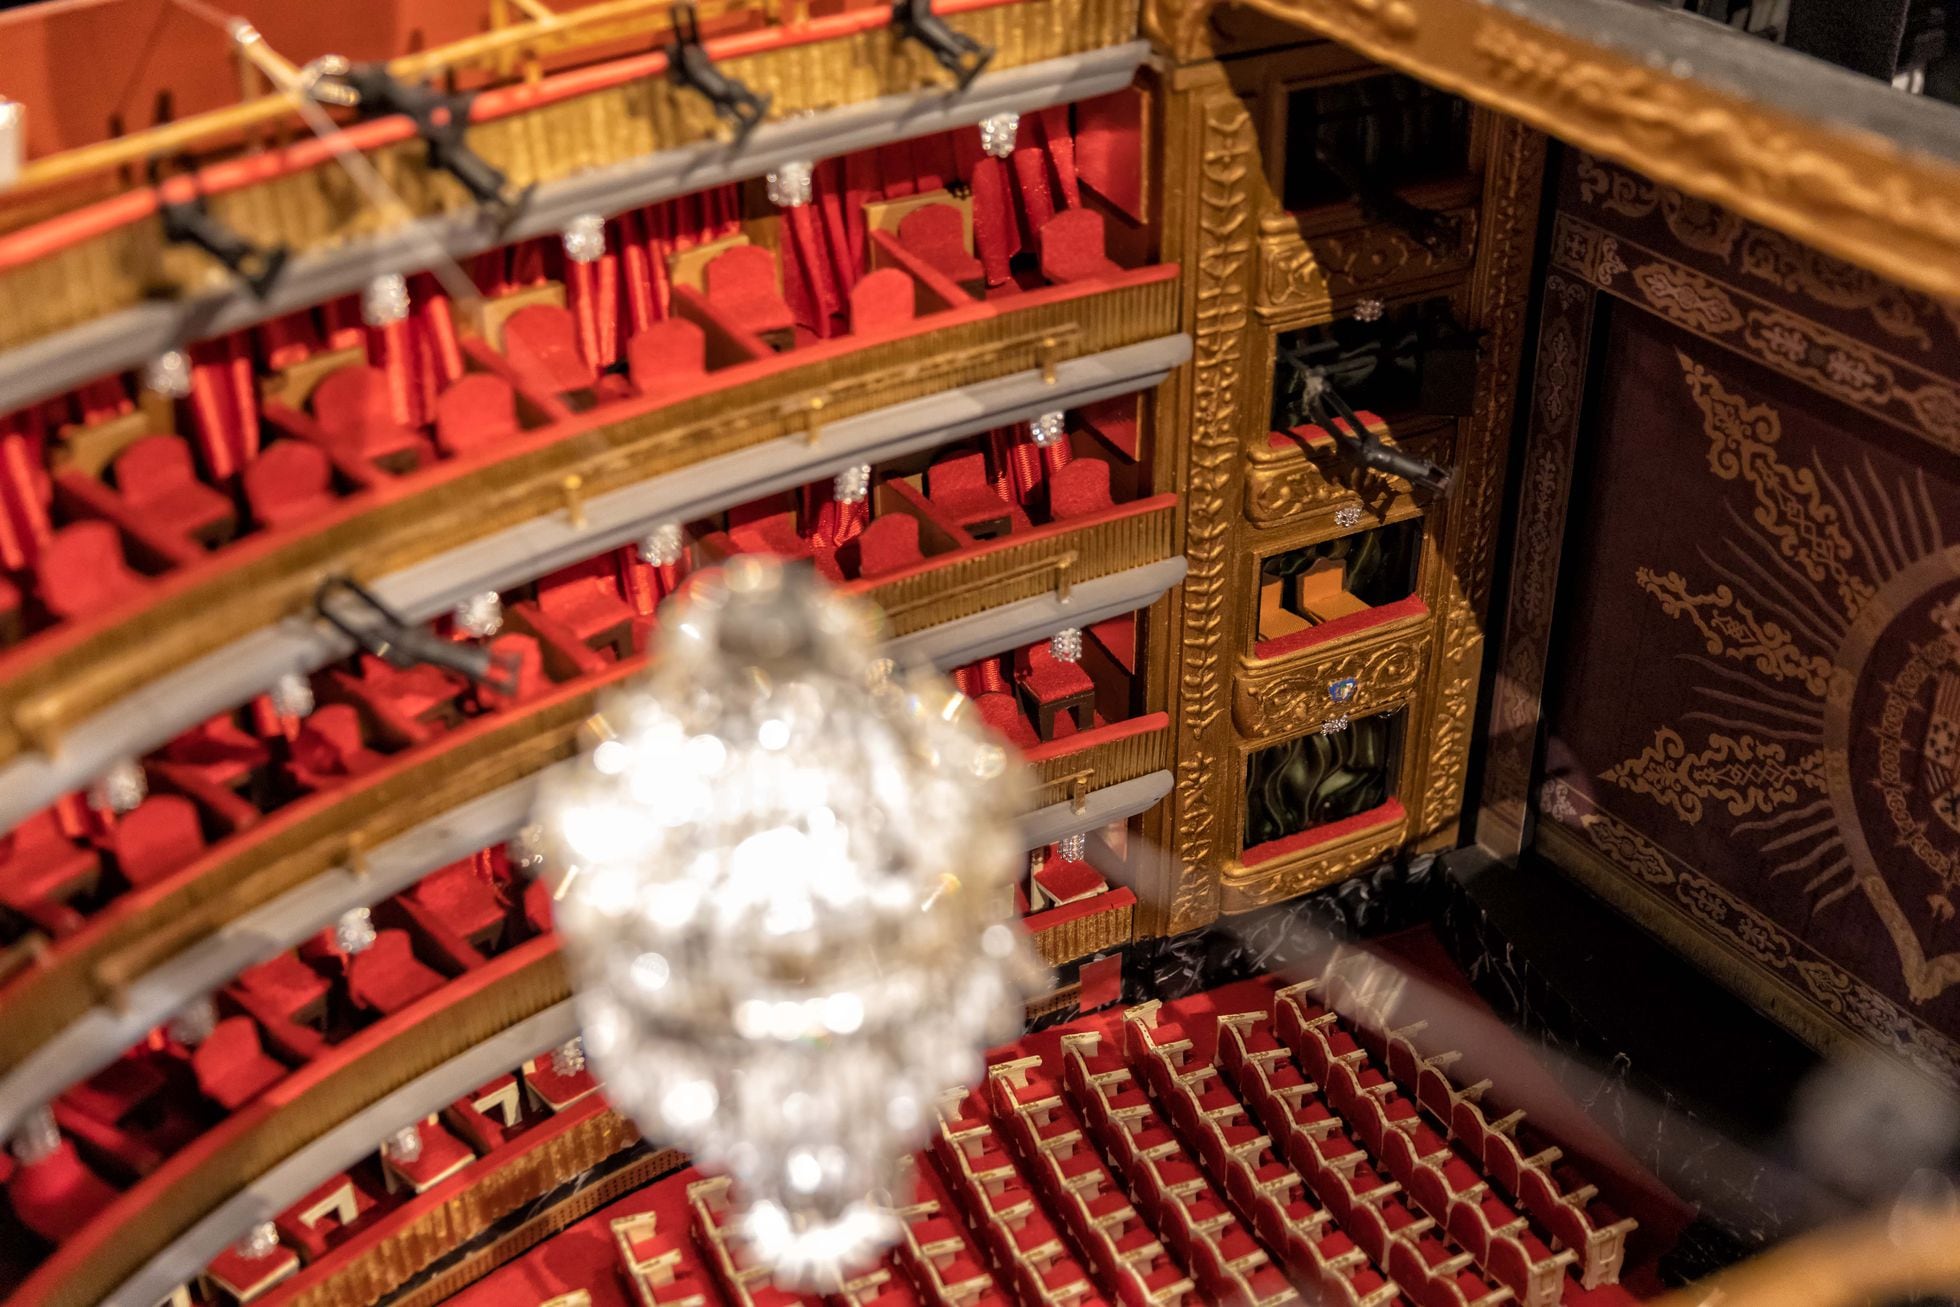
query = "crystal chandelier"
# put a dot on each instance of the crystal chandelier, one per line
(788, 907)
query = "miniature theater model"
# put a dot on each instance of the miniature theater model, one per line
(1441, 501)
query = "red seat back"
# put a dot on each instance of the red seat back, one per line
(231, 1055)
(480, 409)
(743, 272)
(673, 350)
(889, 544)
(81, 570)
(353, 400)
(960, 472)
(541, 342)
(883, 301)
(159, 836)
(290, 481)
(1079, 488)
(152, 467)
(933, 229)
(1072, 247)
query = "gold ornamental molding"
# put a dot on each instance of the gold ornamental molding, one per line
(1073, 775)
(1317, 866)
(1303, 277)
(67, 675)
(1275, 698)
(549, 137)
(1846, 191)
(1090, 933)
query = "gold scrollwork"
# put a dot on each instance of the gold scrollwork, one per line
(1306, 273)
(1285, 696)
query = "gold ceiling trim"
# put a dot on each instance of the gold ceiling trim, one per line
(1845, 191)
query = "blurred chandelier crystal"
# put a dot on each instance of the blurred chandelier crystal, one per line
(788, 907)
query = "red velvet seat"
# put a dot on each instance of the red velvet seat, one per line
(884, 300)
(743, 284)
(767, 526)
(1078, 489)
(81, 571)
(958, 487)
(668, 355)
(889, 544)
(1068, 880)
(290, 987)
(231, 1066)
(386, 976)
(41, 869)
(159, 836)
(936, 234)
(464, 901)
(58, 1194)
(289, 482)
(421, 693)
(330, 746)
(355, 410)
(478, 411)
(159, 483)
(1072, 247)
(541, 342)
(587, 600)
(220, 751)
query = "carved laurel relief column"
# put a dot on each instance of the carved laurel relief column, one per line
(1500, 292)
(1212, 177)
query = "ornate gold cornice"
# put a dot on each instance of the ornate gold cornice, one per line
(1274, 698)
(1846, 191)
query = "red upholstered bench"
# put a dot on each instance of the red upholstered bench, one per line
(586, 599)
(959, 488)
(743, 284)
(290, 987)
(1054, 687)
(331, 746)
(386, 976)
(936, 234)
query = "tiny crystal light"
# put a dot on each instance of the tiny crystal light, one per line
(1347, 515)
(1065, 646)
(169, 374)
(997, 134)
(790, 185)
(193, 1024)
(384, 300)
(1048, 428)
(259, 1241)
(121, 788)
(1070, 848)
(526, 848)
(405, 1145)
(662, 546)
(481, 615)
(852, 485)
(822, 865)
(1369, 310)
(585, 238)
(354, 932)
(568, 1059)
(37, 1136)
(291, 695)
(1334, 725)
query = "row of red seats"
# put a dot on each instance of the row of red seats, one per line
(1027, 1254)
(125, 1121)
(224, 776)
(1446, 1185)
(1414, 1250)
(1531, 1171)
(1129, 1258)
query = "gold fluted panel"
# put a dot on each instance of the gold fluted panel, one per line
(101, 1256)
(322, 207)
(1100, 765)
(82, 675)
(1090, 933)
